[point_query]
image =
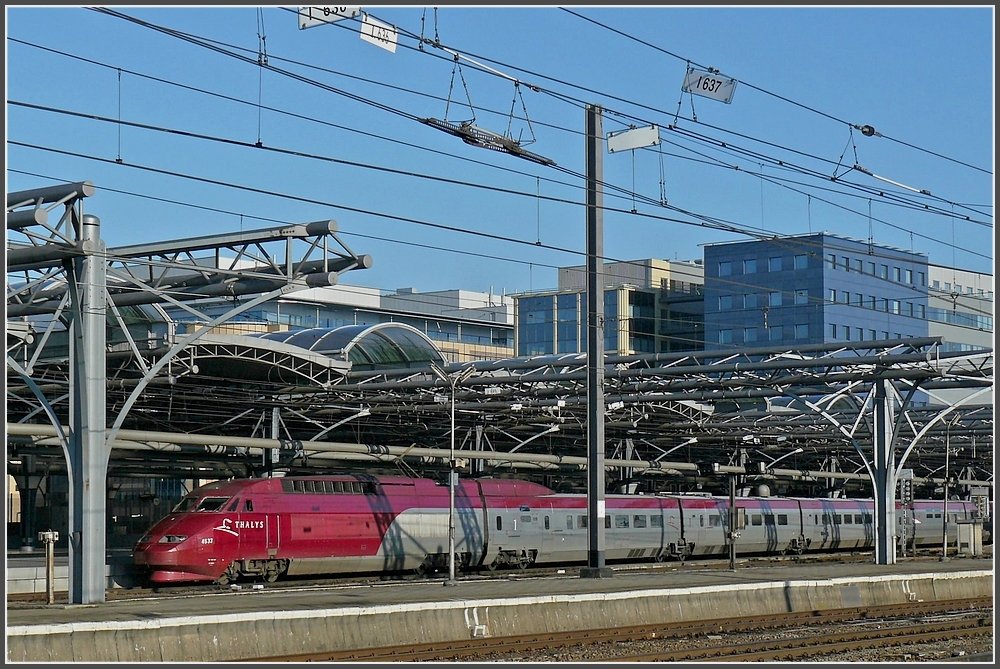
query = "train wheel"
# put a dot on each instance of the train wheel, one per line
(229, 575)
(493, 566)
(272, 571)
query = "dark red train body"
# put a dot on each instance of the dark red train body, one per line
(269, 527)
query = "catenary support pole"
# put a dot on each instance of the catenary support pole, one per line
(595, 348)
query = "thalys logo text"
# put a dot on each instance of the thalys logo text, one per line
(233, 527)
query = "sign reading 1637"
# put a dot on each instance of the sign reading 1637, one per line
(709, 84)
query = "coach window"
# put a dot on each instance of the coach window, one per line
(581, 522)
(768, 519)
(857, 519)
(569, 522)
(621, 521)
(847, 519)
(546, 522)
(755, 519)
(836, 519)
(782, 519)
(607, 522)
(656, 521)
(638, 521)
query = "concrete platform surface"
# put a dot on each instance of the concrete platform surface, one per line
(255, 623)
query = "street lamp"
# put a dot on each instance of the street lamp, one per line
(944, 509)
(452, 474)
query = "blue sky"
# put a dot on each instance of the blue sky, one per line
(435, 213)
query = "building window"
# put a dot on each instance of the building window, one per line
(832, 296)
(885, 335)
(909, 308)
(845, 296)
(908, 275)
(802, 296)
(859, 334)
(896, 274)
(921, 280)
(847, 332)
(725, 302)
(749, 335)
(857, 265)
(801, 261)
(801, 330)
(846, 263)
(871, 335)
(858, 299)
(775, 332)
(894, 306)
(725, 336)
(831, 260)
(921, 311)
(884, 304)
(750, 266)
(774, 264)
(750, 301)
(883, 271)
(725, 268)
(833, 330)
(774, 298)
(871, 268)
(871, 301)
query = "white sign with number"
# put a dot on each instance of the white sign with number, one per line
(710, 84)
(314, 16)
(378, 33)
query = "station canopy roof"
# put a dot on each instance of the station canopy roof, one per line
(379, 346)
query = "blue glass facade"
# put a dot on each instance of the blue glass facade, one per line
(812, 289)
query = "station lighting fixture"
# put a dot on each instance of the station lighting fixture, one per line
(485, 139)
(452, 380)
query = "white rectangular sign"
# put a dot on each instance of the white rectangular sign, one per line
(314, 16)
(378, 33)
(710, 84)
(633, 138)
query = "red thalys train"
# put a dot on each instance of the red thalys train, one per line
(269, 527)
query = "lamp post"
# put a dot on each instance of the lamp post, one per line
(452, 474)
(944, 509)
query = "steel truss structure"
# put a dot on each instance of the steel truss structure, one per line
(193, 404)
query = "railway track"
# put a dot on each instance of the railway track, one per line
(117, 594)
(871, 627)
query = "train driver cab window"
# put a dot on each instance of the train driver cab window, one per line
(581, 522)
(755, 519)
(212, 503)
(248, 505)
(607, 522)
(234, 505)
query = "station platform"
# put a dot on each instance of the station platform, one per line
(266, 622)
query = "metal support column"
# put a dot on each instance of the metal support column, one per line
(89, 451)
(884, 470)
(595, 348)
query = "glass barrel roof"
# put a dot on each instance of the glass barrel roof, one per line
(384, 345)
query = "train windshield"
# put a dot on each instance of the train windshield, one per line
(191, 503)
